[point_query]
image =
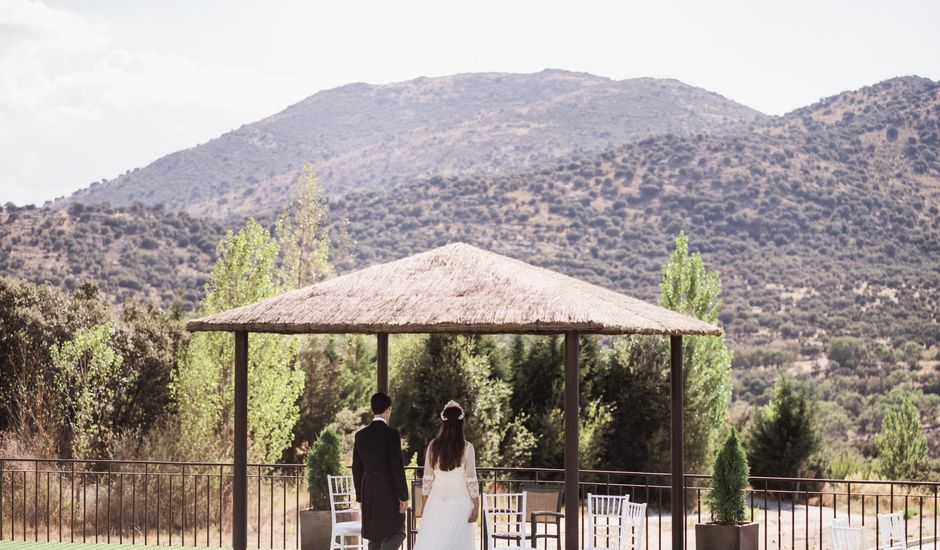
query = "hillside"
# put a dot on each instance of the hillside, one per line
(822, 222)
(133, 253)
(361, 136)
(825, 222)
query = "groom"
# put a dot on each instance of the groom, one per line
(379, 476)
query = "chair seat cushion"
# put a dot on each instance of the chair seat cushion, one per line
(347, 527)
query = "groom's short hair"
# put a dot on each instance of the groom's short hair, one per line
(380, 403)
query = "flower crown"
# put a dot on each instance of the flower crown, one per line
(455, 405)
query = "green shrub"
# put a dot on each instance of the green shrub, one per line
(726, 499)
(325, 458)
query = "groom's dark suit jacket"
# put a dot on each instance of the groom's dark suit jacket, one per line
(379, 476)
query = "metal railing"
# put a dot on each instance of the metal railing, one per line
(151, 503)
(189, 503)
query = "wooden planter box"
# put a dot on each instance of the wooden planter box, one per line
(711, 536)
(315, 529)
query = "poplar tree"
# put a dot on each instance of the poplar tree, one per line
(245, 272)
(902, 445)
(636, 380)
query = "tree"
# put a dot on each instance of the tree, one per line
(902, 445)
(301, 237)
(726, 497)
(34, 319)
(430, 370)
(910, 352)
(784, 435)
(636, 380)
(340, 372)
(325, 458)
(848, 352)
(245, 272)
(687, 287)
(636, 387)
(150, 340)
(538, 397)
(88, 379)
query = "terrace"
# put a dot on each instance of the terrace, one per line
(457, 289)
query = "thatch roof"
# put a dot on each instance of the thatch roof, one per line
(456, 289)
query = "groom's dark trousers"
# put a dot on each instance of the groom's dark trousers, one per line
(379, 477)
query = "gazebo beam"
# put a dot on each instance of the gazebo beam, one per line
(677, 435)
(381, 362)
(572, 454)
(240, 435)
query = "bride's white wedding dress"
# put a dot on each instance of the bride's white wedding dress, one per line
(446, 524)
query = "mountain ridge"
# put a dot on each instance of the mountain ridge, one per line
(372, 136)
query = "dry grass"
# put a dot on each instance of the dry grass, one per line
(456, 288)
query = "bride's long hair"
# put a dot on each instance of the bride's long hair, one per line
(448, 447)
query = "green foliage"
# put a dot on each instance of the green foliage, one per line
(636, 387)
(537, 366)
(910, 353)
(726, 497)
(150, 340)
(848, 352)
(302, 235)
(689, 288)
(245, 272)
(325, 458)
(340, 376)
(848, 465)
(427, 371)
(88, 380)
(784, 435)
(902, 445)
(34, 387)
(35, 318)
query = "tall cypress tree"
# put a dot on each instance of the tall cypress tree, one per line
(784, 435)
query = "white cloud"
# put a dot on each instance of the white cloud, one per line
(74, 107)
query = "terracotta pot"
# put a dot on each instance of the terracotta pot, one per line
(711, 536)
(315, 528)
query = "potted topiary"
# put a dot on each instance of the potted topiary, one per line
(325, 457)
(726, 499)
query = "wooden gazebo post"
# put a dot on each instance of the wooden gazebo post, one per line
(240, 460)
(572, 452)
(676, 436)
(381, 362)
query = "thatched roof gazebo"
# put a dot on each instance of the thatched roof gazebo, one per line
(459, 289)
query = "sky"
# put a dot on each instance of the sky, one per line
(92, 88)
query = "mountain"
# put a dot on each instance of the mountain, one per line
(362, 136)
(821, 222)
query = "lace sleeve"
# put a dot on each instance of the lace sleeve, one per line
(470, 471)
(428, 481)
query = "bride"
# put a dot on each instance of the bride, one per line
(450, 485)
